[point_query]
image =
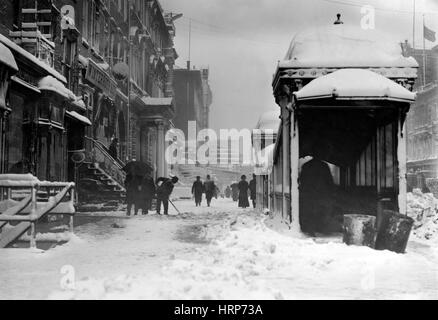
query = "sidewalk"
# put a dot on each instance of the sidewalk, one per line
(213, 253)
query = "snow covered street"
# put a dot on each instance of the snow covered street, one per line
(212, 253)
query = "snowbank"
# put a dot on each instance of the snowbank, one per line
(423, 208)
(247, 260)
(49, 236)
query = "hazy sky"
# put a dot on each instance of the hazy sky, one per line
(242, 40)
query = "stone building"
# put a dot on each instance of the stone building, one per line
(422, 120)
(193, 97)
(113, 37)
(422, 126)
(34, 129)
(83, 73)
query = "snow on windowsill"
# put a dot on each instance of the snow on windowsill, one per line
(7, 42)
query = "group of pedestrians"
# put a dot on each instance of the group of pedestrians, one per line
(208, 187)
(141, 190)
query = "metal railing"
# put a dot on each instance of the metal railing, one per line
(113, 167)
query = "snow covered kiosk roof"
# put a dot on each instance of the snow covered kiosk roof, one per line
(354, 84)
(49, 83)
(319, 51)
(269, 120)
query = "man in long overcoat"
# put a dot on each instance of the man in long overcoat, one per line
(197, 190)
(209, 188)
(164, 190)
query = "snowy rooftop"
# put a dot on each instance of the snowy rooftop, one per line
(269, 120)
(79, 102)
(354, 84)
(345, 46)
(49, 83)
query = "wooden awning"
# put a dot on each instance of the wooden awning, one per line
(78, 117)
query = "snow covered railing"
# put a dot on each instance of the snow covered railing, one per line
(111, 166)
(102, 148)
(14, 210)
(29, 211)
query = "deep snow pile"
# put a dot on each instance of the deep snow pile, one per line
(246, 260)
(423, 208)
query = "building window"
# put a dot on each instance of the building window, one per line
(85, 18)
(89, 31)
(93, 24)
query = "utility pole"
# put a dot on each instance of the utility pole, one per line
(128, 119)
(190, 37)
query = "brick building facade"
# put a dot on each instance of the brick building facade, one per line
(422, 120)
(87, 72)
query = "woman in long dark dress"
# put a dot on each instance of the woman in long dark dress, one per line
(243, 193)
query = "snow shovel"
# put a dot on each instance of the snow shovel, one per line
(174, 207)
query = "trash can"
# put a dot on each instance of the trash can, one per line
(393, 230)
(360, 230)
(382, 223)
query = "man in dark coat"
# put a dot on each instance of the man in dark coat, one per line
(164, 190)
(243, 193)
(209, 188)
(113, 148)
(253, 190)
(197, 190)
(133, 187)
(146, 193)
(316, 194)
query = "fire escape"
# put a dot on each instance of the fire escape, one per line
(37, 22)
